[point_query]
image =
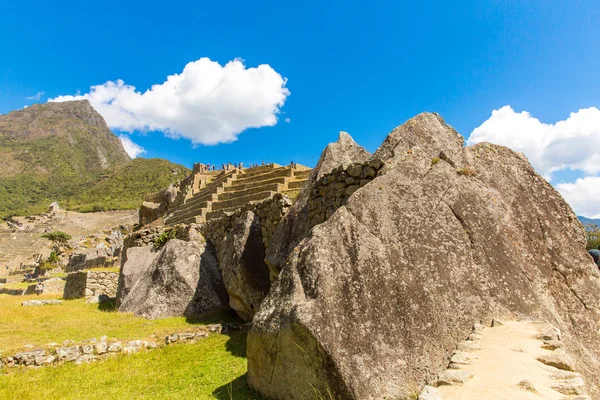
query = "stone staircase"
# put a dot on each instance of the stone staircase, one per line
(216, 193)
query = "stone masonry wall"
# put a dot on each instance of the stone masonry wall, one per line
(333, 190)
(269, 212)
(88, 284)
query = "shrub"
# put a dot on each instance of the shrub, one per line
(163, 238)
(435, 160)
(57, 237)
(54, 257)
(467, 171)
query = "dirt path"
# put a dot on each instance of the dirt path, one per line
(515, 360)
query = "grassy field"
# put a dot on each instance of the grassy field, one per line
(212, 368)
(74, 320)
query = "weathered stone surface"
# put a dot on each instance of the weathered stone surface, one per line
(29, 357)
(412, 259)
(137, 260)
(429, 393)
(115, 347)
(559, 361)
(296, 224)
(183, 279)
(70, 353)
(150, 212)
(241, 260)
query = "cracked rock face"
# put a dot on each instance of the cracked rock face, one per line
(373, 301)
(295, 225)
(183, 279)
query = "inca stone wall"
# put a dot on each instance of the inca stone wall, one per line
(88, 284)
(269, 212)
(333, 190)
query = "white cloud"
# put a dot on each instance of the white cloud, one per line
(572, 143)
(35, 97)
(288, 120)
(206, 103)
(583, 195)
(133, 149)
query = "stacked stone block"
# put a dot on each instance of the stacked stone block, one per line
(333, 190)
(89, 284)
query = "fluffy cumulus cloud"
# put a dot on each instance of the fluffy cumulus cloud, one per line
(583, 195)
(573, 144)
(207, 103)
(133, 149)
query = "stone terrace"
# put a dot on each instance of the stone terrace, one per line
(212, 194)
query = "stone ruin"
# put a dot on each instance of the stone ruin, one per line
(90, 284)
(207, 195)
(365, 285)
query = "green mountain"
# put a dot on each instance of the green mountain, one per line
(65, 152)
(124, 186)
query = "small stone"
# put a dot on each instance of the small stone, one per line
(429, 393)
(87, 349)
(558, 361)
(103, 338)
(150, 345)
(454, 377)
(526, 385)
(551, 345)
(86, 358)
(70, 353)
(468, 346)
(570, 387)
(101, 348)
(462, 358)
(115, 347)
(549, 333)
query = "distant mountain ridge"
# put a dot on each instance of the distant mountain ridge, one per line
(585, 220)
(60, 151)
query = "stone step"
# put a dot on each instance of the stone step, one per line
(302, 174)
(279, 172)
(241, 201)
(260, 169)
(236, 186)
(228, 195)
(296, 184)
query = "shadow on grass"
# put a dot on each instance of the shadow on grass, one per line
(109, 304)
(236, 389)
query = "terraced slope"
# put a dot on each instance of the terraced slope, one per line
(212, 194)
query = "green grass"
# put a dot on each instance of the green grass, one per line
(75, 320)
(17, 285)
(213, 368)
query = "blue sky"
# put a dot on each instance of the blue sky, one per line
(351, 66)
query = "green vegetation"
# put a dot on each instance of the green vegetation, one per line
(57, 237)
(163, 238)
(65, 152)
(213, 368)
(124, 186)
(467, 171)
(76, 320)
(435, 160)
(121, 188)
(592, 233)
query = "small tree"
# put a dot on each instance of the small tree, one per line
(57, 237)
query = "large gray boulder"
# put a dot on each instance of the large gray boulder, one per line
(183, 279)
(241, 258)
(295, 225)
(374, 300)
(136, 262)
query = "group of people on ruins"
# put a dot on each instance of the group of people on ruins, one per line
(227, 166)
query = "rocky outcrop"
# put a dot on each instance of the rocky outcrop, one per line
(182, 279)
(137, 261)
(296, 223)
(374, 300)
(150, 212)
(245, 274)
